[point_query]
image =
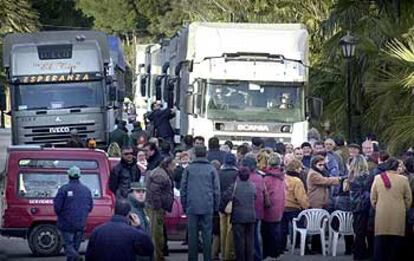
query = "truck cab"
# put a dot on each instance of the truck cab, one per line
(31, 180)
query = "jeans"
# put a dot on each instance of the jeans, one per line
(272, 239)
(71, 243)
(243, 238)
(195, 223)
(257, 242)
(285, 227)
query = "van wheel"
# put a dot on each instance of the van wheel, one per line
(45, 240)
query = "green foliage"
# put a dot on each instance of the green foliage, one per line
(61, 15)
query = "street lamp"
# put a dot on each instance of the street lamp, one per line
(348, 43)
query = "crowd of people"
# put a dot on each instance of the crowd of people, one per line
(240, 201)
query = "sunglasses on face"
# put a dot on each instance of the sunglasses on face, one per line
(320, 165)
(127, 153)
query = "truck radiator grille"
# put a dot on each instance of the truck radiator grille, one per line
(43, 134)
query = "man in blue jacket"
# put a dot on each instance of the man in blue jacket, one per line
(120, 239)
(72, 205)
(200, 197)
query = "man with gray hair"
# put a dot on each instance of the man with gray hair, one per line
(200, 197)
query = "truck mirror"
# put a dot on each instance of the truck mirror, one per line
(143, 87)
(112, 93)
(189, 104)
(121, 96)
(158, 91)
(315, 106)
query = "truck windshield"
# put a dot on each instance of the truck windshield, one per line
(58, 95)
(260, 102)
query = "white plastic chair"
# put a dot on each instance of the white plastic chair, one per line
(345, 228)
(315, 220)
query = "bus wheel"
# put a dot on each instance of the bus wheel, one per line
(45, 240)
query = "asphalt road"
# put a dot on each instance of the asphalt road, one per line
(17, 249)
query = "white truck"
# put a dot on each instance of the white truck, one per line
(234, 81)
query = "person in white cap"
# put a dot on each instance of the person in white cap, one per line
(72, 205)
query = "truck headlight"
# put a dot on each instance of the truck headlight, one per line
(285, 128)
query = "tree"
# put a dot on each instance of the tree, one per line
(61, 15)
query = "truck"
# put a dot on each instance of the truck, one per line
(60, 81)
(235, 81)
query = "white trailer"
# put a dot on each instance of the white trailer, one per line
(237, 81)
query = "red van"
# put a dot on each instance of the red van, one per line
(32, 177)
(30, 181)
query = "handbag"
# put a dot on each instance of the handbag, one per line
(267, 201)
(229, 207)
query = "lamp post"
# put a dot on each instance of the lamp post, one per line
(348, 43)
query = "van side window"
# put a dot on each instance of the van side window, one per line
(57, 163)
(46, 185)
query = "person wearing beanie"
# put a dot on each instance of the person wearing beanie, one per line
(307, 154)
(272, 216)
(296, 198)
(72, 205)
(243, 216)
(121, 238)
(227, 176)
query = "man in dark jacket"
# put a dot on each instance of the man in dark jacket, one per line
(137, 134)
(154, 157)
(214, 152)
(72, 205)
(124, 173)
(227, 176)
(160, 198)
(161, 120)
(119, 135)
(200, 197)
(117, 240)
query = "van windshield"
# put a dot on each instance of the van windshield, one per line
(46, 185)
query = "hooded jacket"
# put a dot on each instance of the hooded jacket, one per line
(227, 176)
(275, 186)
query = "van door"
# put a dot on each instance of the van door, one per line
(2, 196)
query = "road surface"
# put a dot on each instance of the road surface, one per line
(17, 249)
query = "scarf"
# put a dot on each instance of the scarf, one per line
(386, 180)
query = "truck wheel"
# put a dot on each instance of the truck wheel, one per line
(45, 240)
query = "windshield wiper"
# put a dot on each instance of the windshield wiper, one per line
(36, 108)
(75, 106)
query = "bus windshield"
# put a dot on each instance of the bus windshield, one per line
(58, 95)
(254, 101)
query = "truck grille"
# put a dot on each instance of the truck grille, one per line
(42, 134)
(241, 139)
